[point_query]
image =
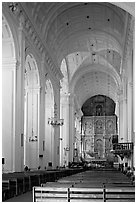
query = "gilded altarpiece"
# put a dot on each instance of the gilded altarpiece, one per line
(97, 138)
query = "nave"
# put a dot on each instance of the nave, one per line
(68, 96)
(119, 186)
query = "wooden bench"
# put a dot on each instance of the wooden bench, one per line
(86, 194)
(11, 185)
(45, 194)
(42, 194)
(5, 193)
(123, 194)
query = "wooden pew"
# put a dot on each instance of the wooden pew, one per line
(119, 194)
(54, 194)
(14, 184)
(6, 185)
(45, 194)
(86, 194)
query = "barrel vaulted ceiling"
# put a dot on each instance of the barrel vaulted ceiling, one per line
(85, 34)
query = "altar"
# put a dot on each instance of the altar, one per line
(98, 132)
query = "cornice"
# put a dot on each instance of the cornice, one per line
(31, 32)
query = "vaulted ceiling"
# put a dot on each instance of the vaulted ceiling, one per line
(85, 34)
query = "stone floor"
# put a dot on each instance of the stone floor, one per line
(26, 197)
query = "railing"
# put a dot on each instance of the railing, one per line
(123, 146)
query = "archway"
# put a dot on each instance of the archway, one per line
(49, 130)
(31, 113)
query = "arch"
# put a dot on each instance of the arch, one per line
(50, 93)
(8, 47)
(98, 105)
(31, 112)
(13, 30)
(31, 72)
(64, 80)
(32, 53)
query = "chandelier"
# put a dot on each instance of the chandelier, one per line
(33, 138)
(54, 121)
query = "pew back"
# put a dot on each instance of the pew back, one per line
(54, 194)
(45, 194)
(86, 194)
(123, 194)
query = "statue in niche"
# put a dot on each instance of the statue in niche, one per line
(99, 110)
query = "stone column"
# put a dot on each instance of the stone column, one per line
(56, 128)
(117, 114)
(19, 107)
(130, 103)
(121, 134)
(129, 73)
(71, 127)
(64, 130)
(42, 160)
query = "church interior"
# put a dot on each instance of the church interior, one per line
(68, 96)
